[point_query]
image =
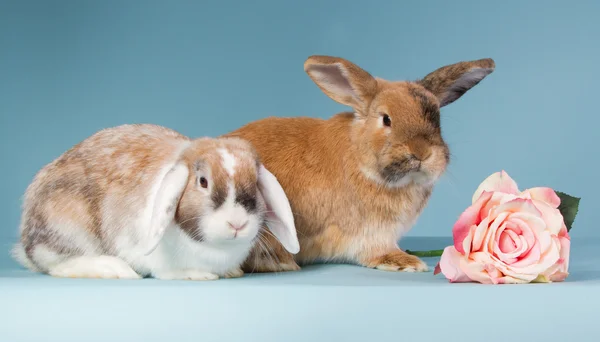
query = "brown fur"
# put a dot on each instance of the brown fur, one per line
(341, 214)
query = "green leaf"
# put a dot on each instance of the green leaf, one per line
(569, 206)
(426, 254)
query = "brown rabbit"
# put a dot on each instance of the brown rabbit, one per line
(358, 181)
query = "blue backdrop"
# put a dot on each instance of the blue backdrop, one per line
(70, 68)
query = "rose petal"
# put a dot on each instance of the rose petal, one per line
(506, 245)
(467, 219)
(521, 277)
(466, 244)
(488, 244)
(564, 232)
(507, 242)
(565, 251)
(532, 256)
(528, 271)
(518, 205)
(518, 226)
(558, 276)
(494, 273)
(545, 195)
(526, 234)
(508, 229)
(497, 199)
(551, 255)
(507, 236)
(511, 280)
(532, 225)
(553, 218)
(560, 270)
(499, 181)
(449, 265)
(475, 267)
(548, 257)
(479, 235)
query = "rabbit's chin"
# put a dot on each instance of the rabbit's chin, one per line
(420, 177)
(217, 231)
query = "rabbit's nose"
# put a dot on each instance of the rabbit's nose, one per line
(237, 226)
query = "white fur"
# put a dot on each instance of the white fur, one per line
(229, 161)
(179, 257)
(147, 241)
(75, 235)
(18, 253)
(102, 266)
(223, 249)
(144, 219)
(46, 256)
(176, 255)
(215, 225)
(165, 204)
(190, 274)
(280, 218)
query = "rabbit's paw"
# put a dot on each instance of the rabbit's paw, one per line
(397, 260)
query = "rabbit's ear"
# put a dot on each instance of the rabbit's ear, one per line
(343, 81)
(279, 217)
(450, 82)
(165, 202)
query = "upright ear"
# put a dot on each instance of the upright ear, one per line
(342, 81)
(279, 217)
(452, 81)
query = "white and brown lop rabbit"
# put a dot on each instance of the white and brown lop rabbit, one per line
(358, 181)
(143, 200)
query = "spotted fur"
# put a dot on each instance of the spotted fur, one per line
(128, 202)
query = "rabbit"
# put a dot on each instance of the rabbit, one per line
(142, 200)
(358, 181)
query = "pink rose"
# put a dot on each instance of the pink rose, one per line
(508, 236)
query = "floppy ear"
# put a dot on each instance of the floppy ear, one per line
(164, 205)
(279, 217)
(452, 81)
(341, 80)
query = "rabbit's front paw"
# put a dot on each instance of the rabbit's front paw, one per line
(186, 275)
(397, 260)
(235, 273)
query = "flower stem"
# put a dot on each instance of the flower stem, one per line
(426, 254)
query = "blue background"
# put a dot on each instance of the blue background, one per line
(70, 68)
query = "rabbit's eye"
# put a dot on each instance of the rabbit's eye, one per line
(203, 182)
(386, 120)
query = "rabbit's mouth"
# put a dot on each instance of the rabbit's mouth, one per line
(398, 170)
